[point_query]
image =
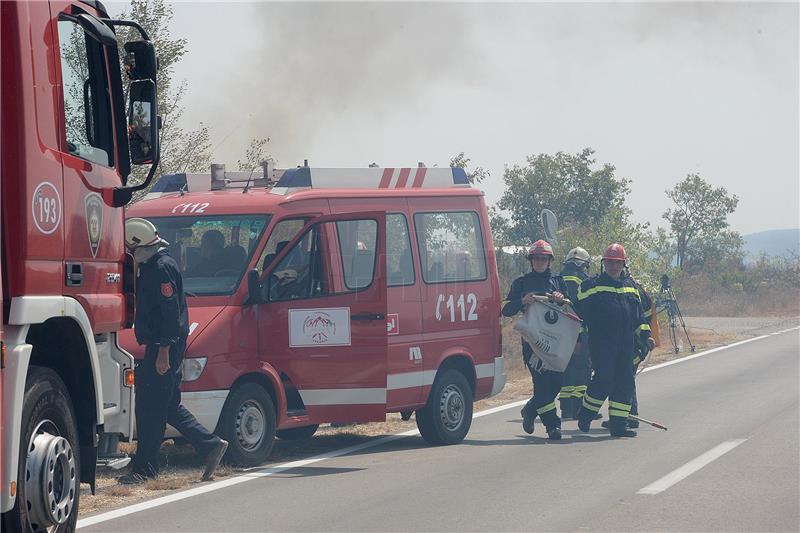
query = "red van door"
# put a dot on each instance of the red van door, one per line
(323, 321)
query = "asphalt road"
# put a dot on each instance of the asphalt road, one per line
(729, 462)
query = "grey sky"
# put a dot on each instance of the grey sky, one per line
(659, 90)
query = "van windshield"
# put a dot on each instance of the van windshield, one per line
(212, 251)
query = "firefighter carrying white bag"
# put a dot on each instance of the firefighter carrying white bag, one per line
(552, 332)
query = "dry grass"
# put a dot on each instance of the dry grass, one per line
(183, 467)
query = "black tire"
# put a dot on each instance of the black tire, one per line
(46, 409)
(305, 432)
(447, 415)
(248, 424)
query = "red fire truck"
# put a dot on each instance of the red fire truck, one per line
(336, 295)
(65, 156)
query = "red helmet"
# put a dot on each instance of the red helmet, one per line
(540, 247)
(616, 252)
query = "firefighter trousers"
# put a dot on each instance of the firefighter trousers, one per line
(613, 379)
(576, 379)
(546, 385)
(158, 403)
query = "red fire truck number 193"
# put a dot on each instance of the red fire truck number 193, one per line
(46, 208)
(456, 307)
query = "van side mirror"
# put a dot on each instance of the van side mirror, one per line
(253, 287)
(143, 122)
(141, 62)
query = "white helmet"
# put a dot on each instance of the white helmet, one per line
(579, 254)
(140, 233)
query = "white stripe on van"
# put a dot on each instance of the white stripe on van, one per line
(343, 396)
(404, 380)
(408, 380)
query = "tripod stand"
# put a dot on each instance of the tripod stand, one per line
(666, 300)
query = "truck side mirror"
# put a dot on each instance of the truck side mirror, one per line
(97, 30)
(253, 287)
(143, 123)
(141, 62)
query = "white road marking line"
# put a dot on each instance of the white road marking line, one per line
(269, 471)
(713, 350)
(690, 468)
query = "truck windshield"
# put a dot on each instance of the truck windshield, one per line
(212, 251)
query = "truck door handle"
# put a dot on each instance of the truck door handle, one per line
(368, 316)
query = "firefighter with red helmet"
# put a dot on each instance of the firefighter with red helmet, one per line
(546, 383)
(612, 311)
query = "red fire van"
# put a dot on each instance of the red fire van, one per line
(332, 295)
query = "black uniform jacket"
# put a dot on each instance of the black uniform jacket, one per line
(535, 283)
(612, 311)
(573, 277)
(161, 313)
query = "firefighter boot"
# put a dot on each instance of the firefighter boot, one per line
(618, 428)
(554, 433)
(528, 416)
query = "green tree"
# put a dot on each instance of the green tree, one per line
(476, 175)
(722, 251)
(567, 184)
(700, 211)
(182, 149)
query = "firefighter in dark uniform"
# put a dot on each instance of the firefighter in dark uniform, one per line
(641, 347)
(162, 326)
(546, 383)
(610, 306)
(579, 371)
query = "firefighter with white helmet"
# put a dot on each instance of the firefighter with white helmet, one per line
(546, 383)
(579, 371)
(162, 326)
(611, 308)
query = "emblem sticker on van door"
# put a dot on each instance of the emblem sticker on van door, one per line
(319, 327)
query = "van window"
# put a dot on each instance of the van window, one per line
(450, 246)
(357, 241)
(87, 110)
(300, 274)
(212, 251)
(399, 263)
(283, 232)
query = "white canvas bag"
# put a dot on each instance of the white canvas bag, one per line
(552, 331)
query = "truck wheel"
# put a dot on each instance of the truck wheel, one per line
(48, 480)
(248, 424)
(304, 432)
(447, 416)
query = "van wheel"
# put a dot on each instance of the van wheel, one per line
(304, 432)
(447, 416)
(48, 479)
(248, 424)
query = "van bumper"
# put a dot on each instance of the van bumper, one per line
(499, 375)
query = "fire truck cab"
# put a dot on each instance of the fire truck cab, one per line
(65, 159)
(331, 295)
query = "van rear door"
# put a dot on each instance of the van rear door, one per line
(323, 326)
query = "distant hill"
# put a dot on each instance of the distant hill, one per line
(772, 242)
